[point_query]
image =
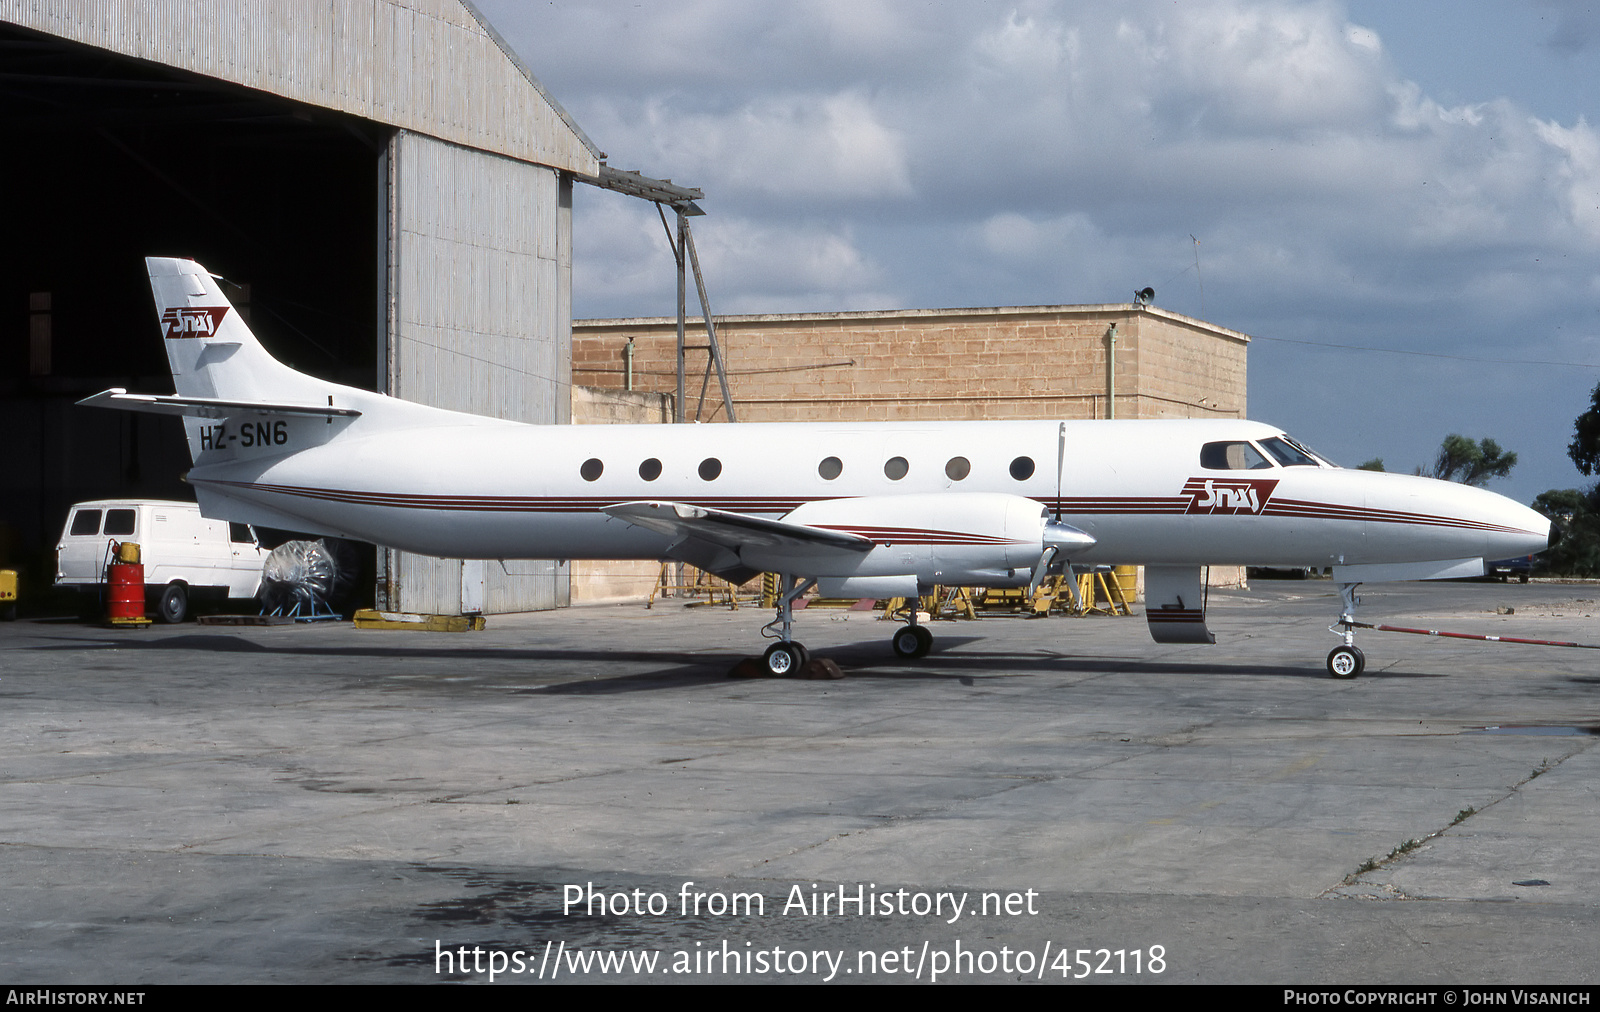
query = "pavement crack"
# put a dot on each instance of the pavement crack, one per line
(1387, 891)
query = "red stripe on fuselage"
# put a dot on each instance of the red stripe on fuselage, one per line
(1086, 506)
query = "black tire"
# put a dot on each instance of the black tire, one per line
(1346, 662)
(907, 642)
(924, 641)
(784, 660)
(172, 606)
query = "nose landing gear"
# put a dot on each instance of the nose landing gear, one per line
(1346, 660)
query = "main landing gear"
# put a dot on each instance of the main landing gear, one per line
(1346, 660)
(912, 640)
(785, 658)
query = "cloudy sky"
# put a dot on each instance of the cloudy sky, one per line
(1399, 201)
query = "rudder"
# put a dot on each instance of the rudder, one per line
(211, 350)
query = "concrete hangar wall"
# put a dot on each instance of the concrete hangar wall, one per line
(386, 187)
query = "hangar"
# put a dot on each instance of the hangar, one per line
(384, 185)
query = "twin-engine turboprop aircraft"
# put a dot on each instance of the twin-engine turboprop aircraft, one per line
(858, 510)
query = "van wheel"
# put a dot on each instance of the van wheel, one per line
(174, 604)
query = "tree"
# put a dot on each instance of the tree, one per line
(1462, 460)
(1578, 514)
(1585, 446)
(1375, 464)
(1577, 511)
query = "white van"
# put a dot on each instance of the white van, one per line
(185, 555)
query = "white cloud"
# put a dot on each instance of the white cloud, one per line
(786, 269)
(1579, 169)
(624, 267)
(1013, 236)
(828, 146)
(1365, 38)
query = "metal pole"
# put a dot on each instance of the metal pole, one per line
(687, 238)
(683, 305)
(1111, 371)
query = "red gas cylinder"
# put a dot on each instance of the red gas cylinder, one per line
(126, 598)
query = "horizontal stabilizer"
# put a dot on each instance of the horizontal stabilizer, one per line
(733, 530)
(207, 407)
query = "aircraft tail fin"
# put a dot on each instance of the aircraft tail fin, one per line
(211, 350)
(220, 370)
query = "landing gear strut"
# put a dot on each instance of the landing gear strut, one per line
(912, 640)
(1346, 660)
(785, 658)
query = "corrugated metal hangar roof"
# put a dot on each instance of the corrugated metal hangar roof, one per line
(432, 66)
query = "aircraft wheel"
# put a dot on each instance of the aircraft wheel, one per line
(912, 641)
(173, 606)
(784, 660)
(1346, 662)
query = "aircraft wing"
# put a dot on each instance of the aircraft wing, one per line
(206, 407)
(733, 530)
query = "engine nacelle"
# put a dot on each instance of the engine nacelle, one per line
(955, 539)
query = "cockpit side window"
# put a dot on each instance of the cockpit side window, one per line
(1232, 456)
(1288, 453)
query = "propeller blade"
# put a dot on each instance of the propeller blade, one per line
(1061, 458)
(1040, 569)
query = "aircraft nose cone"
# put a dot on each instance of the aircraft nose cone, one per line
(1557, 532)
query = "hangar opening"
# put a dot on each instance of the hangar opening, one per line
(385, 188)
(117, 159)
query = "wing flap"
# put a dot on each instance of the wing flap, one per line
(733, 530)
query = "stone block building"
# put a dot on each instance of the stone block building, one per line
(1119, 360)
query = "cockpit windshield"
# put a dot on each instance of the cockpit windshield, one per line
(1292, 454)
(1239, 455)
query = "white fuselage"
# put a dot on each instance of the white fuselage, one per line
(460, 486)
